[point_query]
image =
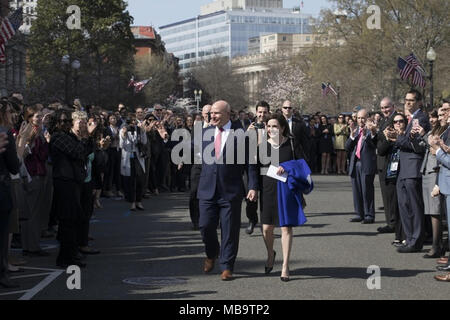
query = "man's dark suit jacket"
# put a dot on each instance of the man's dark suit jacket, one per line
(411, 159)
(226, 179)
(368, 154)
(301, 135)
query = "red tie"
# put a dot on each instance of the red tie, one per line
(218, 143)
(358, 149)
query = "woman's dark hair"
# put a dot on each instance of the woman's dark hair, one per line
(283, 123)
(405, 119)
(326, 118)
(30, 111)
(55, 119)
(434, 114)
(438, 129)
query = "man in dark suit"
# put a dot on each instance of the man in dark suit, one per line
(262, 113)
(362, 146)
(196, 170)
(242, 119)
(221, 190)
(388, 188)
(297, 128)
(409, 181)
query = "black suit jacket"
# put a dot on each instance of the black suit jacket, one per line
(382, 145)
(301, 136)
(410, 158)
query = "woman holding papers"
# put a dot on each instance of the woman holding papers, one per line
(283, 179)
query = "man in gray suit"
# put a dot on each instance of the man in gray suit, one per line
(443, 158)
(362, 146)
(409, 181)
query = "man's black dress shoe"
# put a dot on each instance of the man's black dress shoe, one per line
(250, 228)
(368, 221)
(407, 249)
(385, 229)
(7, 283)
(356, 219)
(443, 268)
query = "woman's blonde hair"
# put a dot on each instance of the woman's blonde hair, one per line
(79, 115)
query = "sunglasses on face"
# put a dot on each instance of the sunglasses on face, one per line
(399, 121)
(287, 108)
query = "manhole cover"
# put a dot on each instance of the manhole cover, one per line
(154, 281)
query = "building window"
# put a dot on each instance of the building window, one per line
(284, 38)
(308, 39)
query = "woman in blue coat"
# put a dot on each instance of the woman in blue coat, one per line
(282, 201)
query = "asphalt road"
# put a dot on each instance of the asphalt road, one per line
(329, 260)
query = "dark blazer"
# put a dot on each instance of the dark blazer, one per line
(410, 158)
(246, 124)
(225, 179)
(383, 161)
(368, 153)
(9, 163)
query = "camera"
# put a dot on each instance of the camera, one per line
(259, 125)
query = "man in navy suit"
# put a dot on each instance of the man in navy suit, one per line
(362, 145)
(221, 191)
(409, 180)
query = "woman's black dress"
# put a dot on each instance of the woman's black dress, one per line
(269, 214)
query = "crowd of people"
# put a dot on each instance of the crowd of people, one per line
(58, 161)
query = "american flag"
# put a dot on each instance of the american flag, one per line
(411, 66)
(138, 86)
(327, 88)
(8, 29)
(131, 83)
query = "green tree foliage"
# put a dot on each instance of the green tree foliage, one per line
(104, 46)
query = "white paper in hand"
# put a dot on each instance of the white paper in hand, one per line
(272, 172)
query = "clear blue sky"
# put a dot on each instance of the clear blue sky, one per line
(161, 12)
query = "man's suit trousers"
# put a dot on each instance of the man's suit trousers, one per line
(363, 193)
(410, 203)
(229, 213)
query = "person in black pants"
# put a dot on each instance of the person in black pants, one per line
(251, 209)
(388, 187)
(132, 139)
(113, 172)
(9, 164)
(388, 172)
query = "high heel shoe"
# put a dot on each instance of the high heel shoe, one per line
(267, 270)
(285, 279)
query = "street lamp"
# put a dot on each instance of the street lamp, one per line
(65, 61)
(198, 98)
(67, 64)
(76, 66)
(431, 57)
